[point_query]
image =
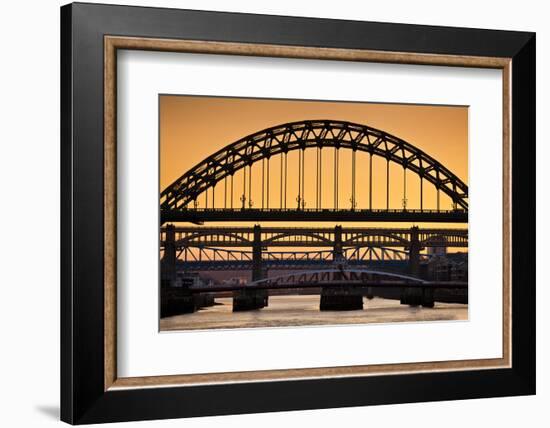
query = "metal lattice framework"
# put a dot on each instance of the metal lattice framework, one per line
(206, 258)
(318, 134)
(314, 237)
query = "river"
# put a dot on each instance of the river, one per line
(284, 311)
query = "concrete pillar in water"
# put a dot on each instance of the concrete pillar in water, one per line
(418, 296)
(245, 300)
(428, 297)
(176, 301)
(370, 293)
(340, 298)
(411, 295)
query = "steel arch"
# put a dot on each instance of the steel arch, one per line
(310, 134)
(281, 236)
(358, 240)
(196, 238)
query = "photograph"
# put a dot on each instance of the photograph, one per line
(295, 212)
(258, 214)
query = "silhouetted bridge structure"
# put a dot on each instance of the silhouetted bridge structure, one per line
(248, 180)
(343, 243)
(221, 259)
(198, 248)
(294, 172)
(341, 288)
(235, 237)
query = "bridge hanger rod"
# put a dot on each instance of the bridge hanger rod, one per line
(286, 169)
(303, 192)
(263, 182)
(438, 180)
(281, 177)
(404, 188)
(370, 181)
(299, 177)
(353, 153)
(387, 184)
(231, 191)
(421, 193)
(317, 178)
(320, 176)
(336, 163)
(318, 182)
(243, 197)
(225, 192)
(250, 185)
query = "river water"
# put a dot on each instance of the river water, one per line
(304, 310)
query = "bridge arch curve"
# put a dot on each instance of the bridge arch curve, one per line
(359, 239)
(303, 135)
(197, 237)
(281, 236)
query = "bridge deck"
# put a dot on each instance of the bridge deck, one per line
(200, 216)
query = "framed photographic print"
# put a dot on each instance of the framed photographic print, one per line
(266, 213)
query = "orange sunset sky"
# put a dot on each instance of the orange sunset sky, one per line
(192, 128)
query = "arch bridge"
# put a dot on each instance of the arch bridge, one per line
(222, 259)
(263, 176)
(337, 239)
(235, 237)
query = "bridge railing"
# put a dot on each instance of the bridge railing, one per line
(328, 210)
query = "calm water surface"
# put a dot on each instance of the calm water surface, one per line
(304, 310)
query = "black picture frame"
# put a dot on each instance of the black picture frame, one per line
(83, 398)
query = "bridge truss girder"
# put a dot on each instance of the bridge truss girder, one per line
(243, 237)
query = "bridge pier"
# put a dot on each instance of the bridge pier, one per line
(340, 298)
(249, 300)
(177, 301)
(417, 296)
(370, 293)
(168, 262)
(175, 296)
(246, 300)
(173, 300)
(428, 297)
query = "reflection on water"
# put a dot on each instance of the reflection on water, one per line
(304, 310)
